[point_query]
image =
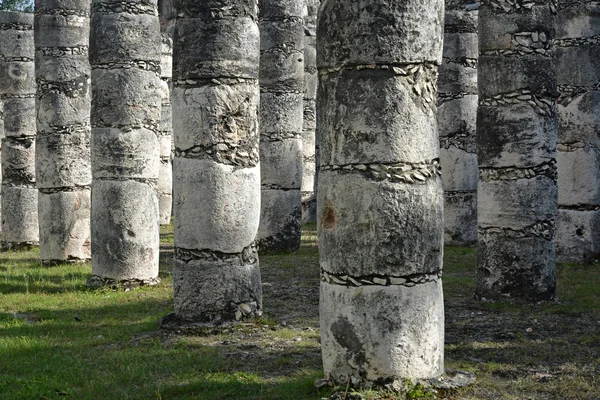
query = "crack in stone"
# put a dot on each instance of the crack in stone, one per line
(568, 93)
(145, 65)
(66, 130)
(422, 77)
(543, 105)
(274, 186)
(130, 7)
(215, 81)
(73, 88)
(462, 139)
(152, 182)
(62, 189)
(443, 97)
(4, 58)
(578, 3)
(249, 255)
(412, 173)
(547, 169)
(464, 61)
(279, 136)
(580, 41)
(204, 10)
(61, 11)
(579, 207)
(243, 154)
(544, 229)
(511, 6)
(96, 281)
(63, 51)
(10, 96)
(15, 26)
(379, 280)
(151, 126)
(524, 43)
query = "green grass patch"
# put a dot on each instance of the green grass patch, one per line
(59, 339)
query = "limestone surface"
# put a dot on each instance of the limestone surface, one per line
(578, 150)
(281, 123)
(380, 197)
(216, 169)
(457, 112)
(17, 92)
(63, 170)
(516, 149)
(125, 56)
(309, 140)
(165, 177)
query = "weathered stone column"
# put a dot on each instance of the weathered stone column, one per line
(516, 149)
(17, 89)
(281, 111)
(309, 166)
(457, 113)
(125, 56)
(216, 171)
(380, 197)
(165, 177)
(63, 171)
(578, 157)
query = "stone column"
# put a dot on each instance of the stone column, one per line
(309, 170)
(216, 171)
(281, 111)
(457, 112)
(516, 149)
(17, 89)
(63, 171)
(125, 56)
(165, 177)
(578, 157)
(380, 198)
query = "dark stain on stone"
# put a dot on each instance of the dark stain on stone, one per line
(344, 334)
(328, 219)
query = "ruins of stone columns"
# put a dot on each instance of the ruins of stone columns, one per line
(516, 146)
(126, 103)
(281, 120)
(165, 177)
(578, 150)
(17, 90)
(63, 171)
(216, 170)
(457, 112)
(380, 197)
(309, 166)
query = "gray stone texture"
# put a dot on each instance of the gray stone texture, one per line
(17, 91)
(380, 198)
(125, 56)
(63, 170)
(216, 170)
(516, 146)
(281, 123)
(309, 142)
(578, 157)
(457, 112)
(165, 177)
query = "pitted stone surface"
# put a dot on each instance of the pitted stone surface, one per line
(216, 171)
(578, 162)
(165, 176)
(282, 86)
(125, 57)
(516, 143)
(380, 197)
(17, 92)
(62, 162)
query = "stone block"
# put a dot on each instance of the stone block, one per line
(65, 234)
(63, 160)
(460, 218)
(354, 212)
(125, 233)
(216, 205)
(281, 113)
(19, 215)
(281, 163)
(459, 169)
(374, 334)
(578, 177)
(280, 220)
(577, 235)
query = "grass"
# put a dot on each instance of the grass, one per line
(59, 339)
